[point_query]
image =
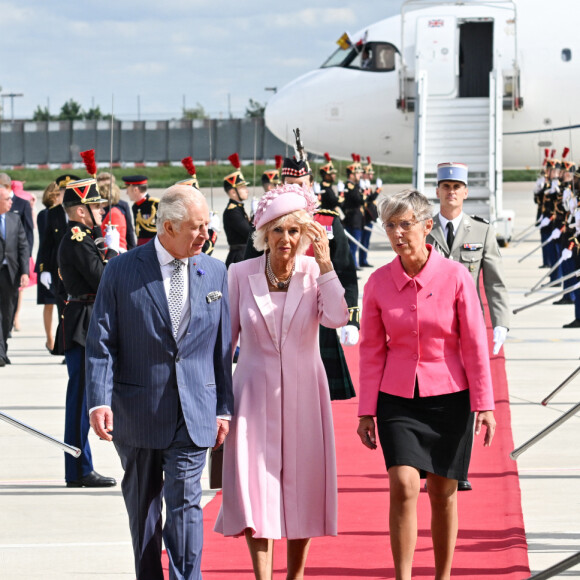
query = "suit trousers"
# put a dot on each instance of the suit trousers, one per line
(76, 421)
(173, 474)
(8, 301)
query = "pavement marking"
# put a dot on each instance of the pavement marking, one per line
(64, 545)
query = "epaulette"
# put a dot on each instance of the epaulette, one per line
(326, 184)
(479, 219)
(154, 199)
(349, 185)
(354, 314)
(327, 212)
(232, 205)
(77, 234)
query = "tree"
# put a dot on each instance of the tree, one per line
(255, 109)
(71, 111)
(42, 114)
(197, 112)
(93, 114)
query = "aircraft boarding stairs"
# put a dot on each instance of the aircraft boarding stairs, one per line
(465, 130)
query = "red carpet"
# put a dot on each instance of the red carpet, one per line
(491, 541)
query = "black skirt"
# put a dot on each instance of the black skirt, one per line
(433, 434)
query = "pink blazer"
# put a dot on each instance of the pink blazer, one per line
(430, 327)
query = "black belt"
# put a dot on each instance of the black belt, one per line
(81, 298)
(234, 247)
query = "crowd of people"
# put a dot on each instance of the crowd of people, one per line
(282, 307)
(556, 195)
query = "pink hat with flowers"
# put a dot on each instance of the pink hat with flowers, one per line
(284, 200)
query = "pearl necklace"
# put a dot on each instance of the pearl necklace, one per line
(281, 285)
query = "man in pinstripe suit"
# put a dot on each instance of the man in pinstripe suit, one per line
(162, 366)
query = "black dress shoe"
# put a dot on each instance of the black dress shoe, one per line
(367, 265)
(93, 479)
(564, 300)
(463, 486)
(2, 362)
(574, 324)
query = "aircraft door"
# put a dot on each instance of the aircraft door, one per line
(475, 58)
(436, 52)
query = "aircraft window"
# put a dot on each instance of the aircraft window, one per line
(339, 57)
(566, 55)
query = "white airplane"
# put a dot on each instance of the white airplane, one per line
(366, 105)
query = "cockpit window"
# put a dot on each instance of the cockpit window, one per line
(372, 56)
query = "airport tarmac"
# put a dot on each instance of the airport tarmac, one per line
(51, 532)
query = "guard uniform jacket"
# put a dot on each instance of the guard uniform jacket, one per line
(353, 207)
(145, 214)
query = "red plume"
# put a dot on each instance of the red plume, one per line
(89, 161)
(327, 157)
(368, 160)
(187, 162)
(358, 158)
(553, 153)
(353, 155)
(565, 152)
(235, 160)
(279, 160)
(546, 153)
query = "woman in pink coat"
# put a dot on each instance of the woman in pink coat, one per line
(279, 472)
(425, 376)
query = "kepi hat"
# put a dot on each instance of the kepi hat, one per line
(187, 162)
(452, 171)
(328, 168)
(273, 175)
(355, 165)
(82, 192)
(235, 179)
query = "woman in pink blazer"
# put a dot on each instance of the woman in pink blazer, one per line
(279, 472)
(425, 376)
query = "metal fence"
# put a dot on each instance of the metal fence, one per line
(25, 143)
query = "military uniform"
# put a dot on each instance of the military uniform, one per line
(236, 222)
(327, 197)
(81, 265)
(145, 216)
(475, 246)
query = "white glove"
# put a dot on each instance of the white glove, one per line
(340, 186)
(567, 194)
(577, 216)
(555, 234)
(317, 188)
(112, 238)
(349, 335)
(572, 204)
(46, 279)
(379, 183)
(214, 220)
(499, 336)
(555, 186)
(362, 183)
(545, 221)
(539, 184)
(566, 254)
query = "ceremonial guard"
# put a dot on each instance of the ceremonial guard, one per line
(236, 222)
(471, 241)
(56, 220)
(371, 212)
(271, 177)
(81, 263)
(297, 170)
(571, 253)
(213, 229)
(352, 204)
(327, 197)
(144, 208)
(549, 195)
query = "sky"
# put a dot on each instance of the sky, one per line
(149, 58)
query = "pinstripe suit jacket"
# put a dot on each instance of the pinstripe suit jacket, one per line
(135, 365)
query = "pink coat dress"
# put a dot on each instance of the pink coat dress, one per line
(279, 474)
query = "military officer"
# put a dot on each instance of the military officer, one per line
(271, 177)
(371, 212)
(81, 263)
(471, 241)
(327, 197)
(352, 204)
(236, 222)
(144, 208)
